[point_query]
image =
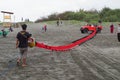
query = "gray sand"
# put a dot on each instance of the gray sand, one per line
(96, 59)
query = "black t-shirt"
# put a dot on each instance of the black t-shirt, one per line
(23, 39)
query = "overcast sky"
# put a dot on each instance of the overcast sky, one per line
(34, 9)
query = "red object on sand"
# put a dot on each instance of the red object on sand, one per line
(68, 46)
(86, 28)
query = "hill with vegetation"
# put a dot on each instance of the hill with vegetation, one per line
(105, 15)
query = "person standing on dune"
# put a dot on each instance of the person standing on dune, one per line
(111, 28)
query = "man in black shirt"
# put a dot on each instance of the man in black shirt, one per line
(22, 44)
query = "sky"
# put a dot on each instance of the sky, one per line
(35, 9)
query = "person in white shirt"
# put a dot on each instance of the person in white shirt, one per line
(118, 32)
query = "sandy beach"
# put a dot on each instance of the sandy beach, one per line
(96, 59)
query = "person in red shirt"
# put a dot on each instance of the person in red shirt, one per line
(111, 28)
(45, 28)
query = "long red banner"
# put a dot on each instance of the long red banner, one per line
(68, 46)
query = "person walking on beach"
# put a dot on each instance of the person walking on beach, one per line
(3, 33)
(57, 22)
(118, 32)
(11, 29)
(45, 28)
(111, 28)
(22, 43)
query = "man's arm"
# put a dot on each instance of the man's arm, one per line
(17, 43)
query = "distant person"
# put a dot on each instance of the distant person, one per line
(118, 32)
(100, 22)
(22, 43)
(57, 22)
(111, 28)
(45, 28)
(61, 22)
(42, 29)
(4, 33)
(11, 29)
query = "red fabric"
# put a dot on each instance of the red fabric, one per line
(68, 46)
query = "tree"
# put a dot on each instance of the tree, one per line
(106, 14)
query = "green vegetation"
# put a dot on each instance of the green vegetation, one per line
(92, 16)
(80, 23)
